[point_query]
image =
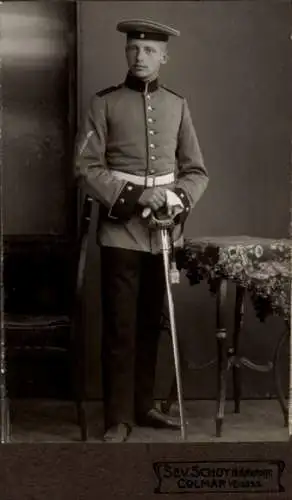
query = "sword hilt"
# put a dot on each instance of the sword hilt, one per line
(159, 219)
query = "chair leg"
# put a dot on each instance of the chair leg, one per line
(78, 394)
(5, 429)
(79, 400)
(82, 419)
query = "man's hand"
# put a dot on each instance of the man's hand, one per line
(153, 198)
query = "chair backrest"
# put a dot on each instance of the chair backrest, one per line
(37, 275)
(43, 275)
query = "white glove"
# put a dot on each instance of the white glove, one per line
(174, 203)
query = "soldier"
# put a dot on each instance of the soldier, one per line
(137, 150)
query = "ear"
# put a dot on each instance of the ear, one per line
(164, 58)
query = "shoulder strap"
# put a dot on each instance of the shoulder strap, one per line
(108, 90)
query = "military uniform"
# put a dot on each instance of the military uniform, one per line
(136, 135)
(145, 130)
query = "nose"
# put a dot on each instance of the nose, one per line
(139, 55)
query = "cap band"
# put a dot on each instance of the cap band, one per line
(142, 35)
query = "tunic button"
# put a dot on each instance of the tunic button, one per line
(153, 157)
(152, 146)
(122, 200)
(152, 171)
(148, 96)
(151, 132)
(150, 108)
(182, 195)
(150, 120)
(129, 188)
(187, 209)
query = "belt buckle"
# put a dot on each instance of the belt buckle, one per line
(150, 182)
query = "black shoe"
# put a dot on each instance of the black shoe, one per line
(157, 419)
(117, 433)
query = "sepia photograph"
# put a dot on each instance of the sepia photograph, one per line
(146, 222)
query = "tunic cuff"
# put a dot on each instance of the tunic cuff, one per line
(180, 218)
(125, 205)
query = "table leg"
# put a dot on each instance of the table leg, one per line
(222, 355)
(238, 322)
(284, 342)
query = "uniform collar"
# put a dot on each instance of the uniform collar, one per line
(134, 83)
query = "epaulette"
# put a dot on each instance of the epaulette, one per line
(108, 90)
(172, 91)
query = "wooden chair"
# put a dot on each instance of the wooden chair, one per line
(42, 339)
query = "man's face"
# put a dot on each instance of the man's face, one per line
(145, 57)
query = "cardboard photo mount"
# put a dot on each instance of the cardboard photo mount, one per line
(148, 470)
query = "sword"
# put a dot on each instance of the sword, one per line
(164, 225)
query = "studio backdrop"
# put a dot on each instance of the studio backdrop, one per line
(232, 63)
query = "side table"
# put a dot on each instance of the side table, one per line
(258, 266)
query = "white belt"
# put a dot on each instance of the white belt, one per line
(142, 180)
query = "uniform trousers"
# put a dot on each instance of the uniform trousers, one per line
(133, 290)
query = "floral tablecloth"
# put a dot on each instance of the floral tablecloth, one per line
(261, 265)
